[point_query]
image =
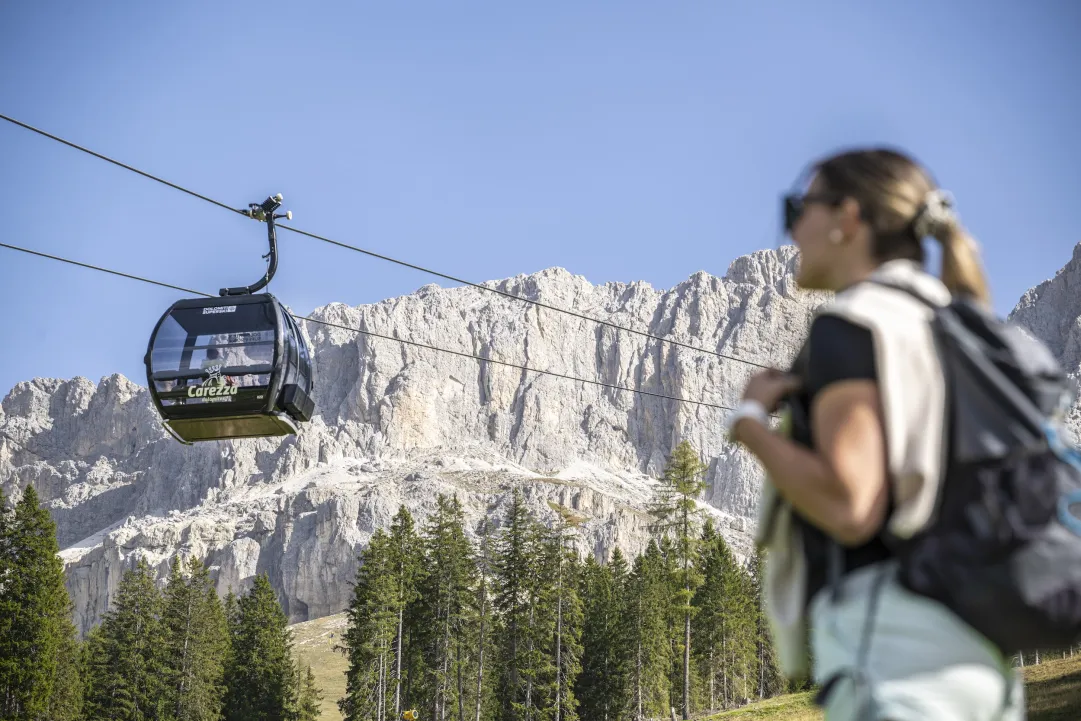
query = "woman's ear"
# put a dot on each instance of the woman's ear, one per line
(848, 217)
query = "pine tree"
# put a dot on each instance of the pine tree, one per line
(231, 609)
(746, 640)
(726, 624)
(126, 668)
(308, 696)
(446, 612)
(483, 696)
(517, 599)
(674, 617)
(368, 642)
(97, 683)
(623, 648)
(35, 611)
(676, 513)
(538, 666)
(10, 672)
(407, 567)
(66, 700)
(601, 686)
(196, 644)
(260, 676)
(770, 680)
(39, 656)
(709, 620)
(562, 564)
(646, 631)
(513, 567)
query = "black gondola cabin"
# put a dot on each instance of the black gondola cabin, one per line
(233, 367)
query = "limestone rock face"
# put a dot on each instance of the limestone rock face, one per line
(1052, 312)
(400, 424)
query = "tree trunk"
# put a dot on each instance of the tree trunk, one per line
(607, 661)
(480, 646)
(398, 659)
(380, 689)
(638, 678)
(638, 660)
(712, 684)
(461, 683)
(686, 618)
(443, 691)
(559, 632)
(761, 665)
(138, 634)
(438, 686)
(529, 679)
(724, 664)
(408, 695)
(514, 663)
(184, 665)
(446, 669)
(687, 665)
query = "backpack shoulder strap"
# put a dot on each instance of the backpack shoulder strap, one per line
(963, 332)
(912, 292)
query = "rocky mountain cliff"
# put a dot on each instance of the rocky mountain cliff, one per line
(1052, 312)
(399, 424)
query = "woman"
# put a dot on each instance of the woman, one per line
(863, 453)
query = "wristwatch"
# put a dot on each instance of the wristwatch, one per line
(747, 409)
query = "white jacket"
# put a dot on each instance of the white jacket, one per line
(912, 392)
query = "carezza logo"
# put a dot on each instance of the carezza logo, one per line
(213, 385)
(219, 309)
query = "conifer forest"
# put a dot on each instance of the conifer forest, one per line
(178, 653)
(517, 627)
(520, 623)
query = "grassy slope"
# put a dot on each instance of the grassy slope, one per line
(314, 644)
(1053, 691)
(1053, 688)
(794, 707)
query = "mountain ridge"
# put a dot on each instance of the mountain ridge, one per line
(398, 424)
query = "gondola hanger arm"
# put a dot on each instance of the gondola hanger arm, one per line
(263, 212)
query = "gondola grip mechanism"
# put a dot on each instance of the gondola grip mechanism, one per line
(264, 212)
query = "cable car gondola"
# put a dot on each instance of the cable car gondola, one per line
(235, 366)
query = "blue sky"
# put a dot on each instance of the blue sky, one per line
(620, 140)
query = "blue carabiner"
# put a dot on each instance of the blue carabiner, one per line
(1069, 454)
(1062, 448)
(1068, 519)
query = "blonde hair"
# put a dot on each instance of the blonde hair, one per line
(902, 203)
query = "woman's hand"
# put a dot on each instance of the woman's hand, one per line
(768, 387)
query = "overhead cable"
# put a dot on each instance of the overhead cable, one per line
(385, 337)
(122, 165)
(396, 261)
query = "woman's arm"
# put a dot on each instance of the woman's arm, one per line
(841, 485)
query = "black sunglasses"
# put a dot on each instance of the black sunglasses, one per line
(796, 203)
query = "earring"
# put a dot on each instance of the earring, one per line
(836, 236)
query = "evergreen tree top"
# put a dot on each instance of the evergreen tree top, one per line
(683, 482)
